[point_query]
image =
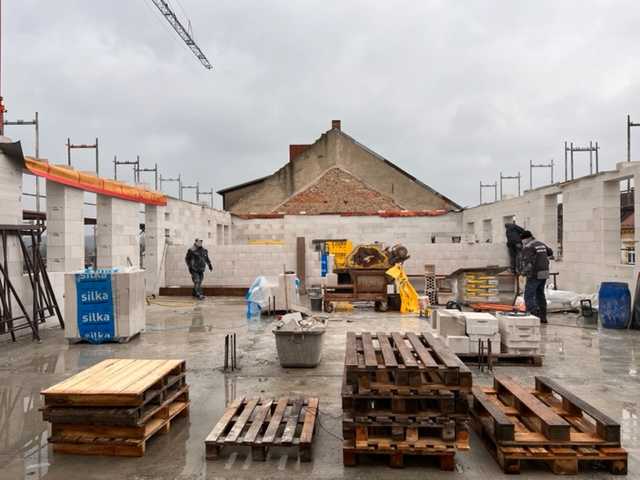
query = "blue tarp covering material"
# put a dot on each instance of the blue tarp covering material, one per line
(96, 318)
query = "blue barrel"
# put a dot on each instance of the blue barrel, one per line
(614, 304)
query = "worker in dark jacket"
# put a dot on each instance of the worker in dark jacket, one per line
(535, 267)
(514, 243)
(197, 259)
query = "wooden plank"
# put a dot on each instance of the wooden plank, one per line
(228, 415)
(141, 385)
(503, 427)
(424, 355)
(387, 351)
(550, 424)
(350, 354)
(276, 419)
(606, 427)
(257, 422)
(139, 369)
(309, 421)
(292, 422)
(448, 358)
(237, 428)
(407, 357)
(370, 359)
(80, 376)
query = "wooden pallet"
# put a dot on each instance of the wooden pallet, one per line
(263, 424)
(115, 441)
(444, 452)
(503, 359)
(412, 431)
(397, 362)
(549, 424)
(115, 416)
(117, 383)
(440, 401)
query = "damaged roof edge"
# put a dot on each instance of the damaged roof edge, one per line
(242, 185)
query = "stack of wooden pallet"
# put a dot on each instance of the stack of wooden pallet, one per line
(264, 423)
(116, 406)
(403, 394)
(549, 424)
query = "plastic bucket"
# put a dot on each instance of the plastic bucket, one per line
(614, 304)
(316, 304)
(299, 349)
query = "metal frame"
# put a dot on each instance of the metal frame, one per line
(44, 300)
(572, 149)
(539, 165)
(210, 194)
(36, 123)
(117, 162)
(509, 177)
(493, 185)
(137, 171)
(80, 146)
(195, 187)
(630, 124)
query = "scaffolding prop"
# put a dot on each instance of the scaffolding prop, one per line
(539, 165)
(44, 300)
(571, 149)
(509, 177)
(493, 185)
(83, 146)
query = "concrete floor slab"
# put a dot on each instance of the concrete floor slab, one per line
(599, 365)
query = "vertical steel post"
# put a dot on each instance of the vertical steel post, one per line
(37, 157)
(628, 138)
(156, 178)
(530, 174)
(566, 177)
(97, 159)
(590, 157)
(68, 151)
(552, 171)
(572, 176)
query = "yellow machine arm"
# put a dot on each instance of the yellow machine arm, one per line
(408, 294)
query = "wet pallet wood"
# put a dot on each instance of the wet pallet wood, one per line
(412, 430)
(503, 359)
(397, 362)
(117, 383)
(548, 424)
(115, 416)
(263, 424)
(116, 441)
(396, 451)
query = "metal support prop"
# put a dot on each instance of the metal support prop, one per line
(539, 165)
(209, 194)
(493, 185)
(36, 123)
(117, 162)
(509, 177)
(195, 187)
(81, 146)
(571, 149)
(177, 179)
(154, 170)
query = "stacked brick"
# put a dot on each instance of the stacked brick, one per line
(403, 394)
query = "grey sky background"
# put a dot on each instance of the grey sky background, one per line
(453, 92)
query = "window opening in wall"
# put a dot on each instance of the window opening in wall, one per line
(558, 253)
(90, 239)
(167, 216)
(507, 219)
(209, 235)
(227, 240)
(627, 223)
(219, 239)
(487, 231)
(456, 239)
(167, 233)
(433, 239)
(470, 231)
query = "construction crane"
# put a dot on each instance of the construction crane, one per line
(185, 35)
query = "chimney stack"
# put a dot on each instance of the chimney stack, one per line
(335, 125)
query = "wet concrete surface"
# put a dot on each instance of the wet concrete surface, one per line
(601, 366)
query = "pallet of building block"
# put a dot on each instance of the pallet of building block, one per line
(114, 416)
(488, 343)
(117, 383)
(409, 429)
(114, 440)
(480, 323)
(548, 424)
(406, 363)
(396, 451)
(262, 424)
(521, 348)
(425, 402)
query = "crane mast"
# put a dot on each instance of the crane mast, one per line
(184, 34)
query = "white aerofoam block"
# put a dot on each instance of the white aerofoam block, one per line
(495, 343)
(458, 343)
(480, 323)
(448, 322)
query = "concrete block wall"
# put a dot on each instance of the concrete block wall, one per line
(65, 228)
(154, 243)
(233, 265)
(117, 232)
(186, 221)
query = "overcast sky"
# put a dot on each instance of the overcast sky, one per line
(452, 91)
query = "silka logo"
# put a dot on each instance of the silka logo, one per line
(93, 296)
(96, 317)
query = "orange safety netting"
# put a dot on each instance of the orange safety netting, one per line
(92, 183)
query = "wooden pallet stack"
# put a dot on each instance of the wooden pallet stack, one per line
(549, 425)
(265, 423)
(403, 395)
(116, 406)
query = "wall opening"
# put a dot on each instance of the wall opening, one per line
(487, 231)
(627, 223)
(219, 239)
(89, 210)
(470, 232)
(559, 227)
(227, 240)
